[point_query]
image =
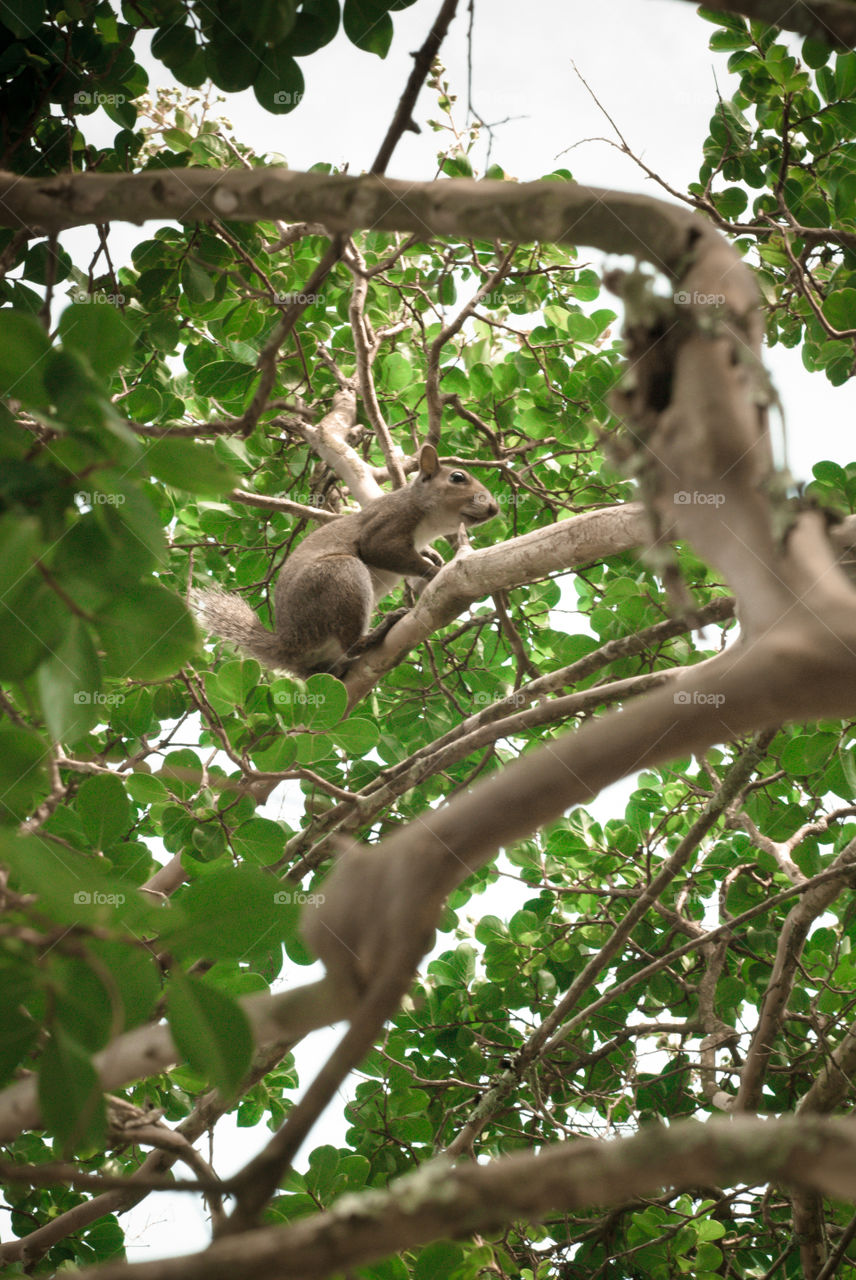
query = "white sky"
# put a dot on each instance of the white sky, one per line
(648, 63)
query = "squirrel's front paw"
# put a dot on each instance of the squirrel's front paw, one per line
(435, 560)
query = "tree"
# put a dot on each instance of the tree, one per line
(188, 418)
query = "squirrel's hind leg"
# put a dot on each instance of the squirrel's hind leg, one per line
(324, 611)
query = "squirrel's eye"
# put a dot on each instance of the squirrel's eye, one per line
(459, 477)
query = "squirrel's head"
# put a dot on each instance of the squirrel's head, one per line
(455, 489)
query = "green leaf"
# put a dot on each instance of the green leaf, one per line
(848, 765)
(229, 913)
(826, 83)
(223, 378)
(81, 1002)
(106, 1238)
(725, 41)
(321, 705)
(145, 789)
(194, 467)
(368, 25)
(279, 757)
(271, 20)
(708, 1258)
(356, 736)
(70, 385)
(830, 473)
(279, 84)
(236, 680)
(316, 25)
(196, 281)
(19, 1036)
(23, 17)
(69, 682)
(147, 634)
(442, 1258)
(23, 757)
(74, 888)
(840, 308)
(398, 372)
(260, 840)
(24, 349)
(103, 809)
(806, 753)
(313, 747)
(32, 623)
(231, 63)
(731, 202)
(446, 291)
(174, 45)
(845, 74)
(815, 53)
(70, 1095)
(99, 332)
(19, 547)
(210, 1031)
(135, 975)
(710, 1229)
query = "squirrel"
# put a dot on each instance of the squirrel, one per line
(329, 586)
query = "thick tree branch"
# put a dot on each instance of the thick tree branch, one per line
(442, 1200)
(565, 213)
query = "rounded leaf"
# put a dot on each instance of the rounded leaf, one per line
(98, 331)
(147, 634)
(279, 84)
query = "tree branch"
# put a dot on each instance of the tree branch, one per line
(440, 1200)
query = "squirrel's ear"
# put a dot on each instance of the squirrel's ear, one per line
(429, 462)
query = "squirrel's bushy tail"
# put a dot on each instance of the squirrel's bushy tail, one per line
(232, 619)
